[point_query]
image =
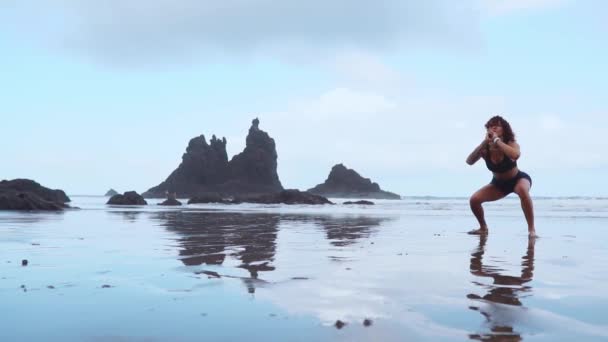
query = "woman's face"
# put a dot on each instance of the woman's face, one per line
(496, 129)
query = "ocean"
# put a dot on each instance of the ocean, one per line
(394, 271)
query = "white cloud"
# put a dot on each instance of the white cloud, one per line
(376, 134)
(138, 31)
(387, 137)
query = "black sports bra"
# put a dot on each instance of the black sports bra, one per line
(505, 164)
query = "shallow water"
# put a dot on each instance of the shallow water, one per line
(287, 273)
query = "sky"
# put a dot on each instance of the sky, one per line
(106, 94)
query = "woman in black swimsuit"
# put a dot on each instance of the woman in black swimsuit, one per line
(500, 152)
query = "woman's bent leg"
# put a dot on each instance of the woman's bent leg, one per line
(522, 189)
(487, 193)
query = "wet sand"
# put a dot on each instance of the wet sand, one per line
(400, 270)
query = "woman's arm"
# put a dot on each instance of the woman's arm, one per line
(511, 149)
(476, 154)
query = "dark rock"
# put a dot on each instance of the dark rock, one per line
(202, 165)
(255, 169)
(362, 202)
(25, 194)
(26, 185)
(106, 286)
(27, 201)
(128, 198)
(211, 274)
(205, 168)
(291, 196)
(367, 322)
(339, 324)
(208, 197)
(111, 193)
(170, 202)
(24, 262)
(347, 183)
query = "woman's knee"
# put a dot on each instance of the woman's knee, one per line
(476, 199)
(522, 190)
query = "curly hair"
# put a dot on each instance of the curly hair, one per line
(507, 132)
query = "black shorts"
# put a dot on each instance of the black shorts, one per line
(507, 186)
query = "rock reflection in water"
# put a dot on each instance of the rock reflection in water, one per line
(344, 231)
(209, 238)
(27, 218)
(127, 215)
(503, 298)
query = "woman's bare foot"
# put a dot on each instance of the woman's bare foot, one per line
(480, 231)
(532, 234)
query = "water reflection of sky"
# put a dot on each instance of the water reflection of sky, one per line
(191, 274)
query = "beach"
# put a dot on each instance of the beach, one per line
(398, 270)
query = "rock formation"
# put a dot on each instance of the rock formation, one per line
(361, 202)
(171, 202)
(205, 168)
(128, 198)
(25, 194)
(347, 183)
(111, 193)
(290, 196)
(209, 197)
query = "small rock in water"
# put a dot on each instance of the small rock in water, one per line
(359, 202)
(339, 324)
(24, 262)
(211, 274)
(51, 287)
(367, 322)
(105, 286)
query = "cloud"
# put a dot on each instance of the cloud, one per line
(387, 137)
(375, 133)
(135, 31)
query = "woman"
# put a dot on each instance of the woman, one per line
(500, 152)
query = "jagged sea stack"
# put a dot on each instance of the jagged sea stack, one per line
(343, 182)
(203, 165)
(205, 168)
(255, 169)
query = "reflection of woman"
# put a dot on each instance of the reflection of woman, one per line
(505, 290)
(500, 152)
